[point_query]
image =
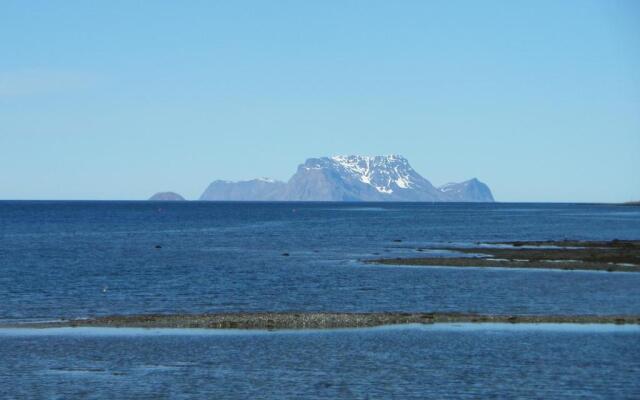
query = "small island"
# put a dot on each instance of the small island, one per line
(166, 196)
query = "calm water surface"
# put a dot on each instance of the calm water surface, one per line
(407, 362)
(80, 259)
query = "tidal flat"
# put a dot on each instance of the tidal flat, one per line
(611, 256)
(319, 320)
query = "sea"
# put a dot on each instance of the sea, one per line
(76, 259)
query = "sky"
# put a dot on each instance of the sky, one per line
(122, 99)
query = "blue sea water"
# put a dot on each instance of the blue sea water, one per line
(394, 362)
(82, 259)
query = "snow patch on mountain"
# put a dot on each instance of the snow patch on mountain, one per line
(381, 172)
(265, 179)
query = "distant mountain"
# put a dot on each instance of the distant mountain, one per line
(350, 178)
(261, 189)
(359, 178)
(471, 190)
(166, 196)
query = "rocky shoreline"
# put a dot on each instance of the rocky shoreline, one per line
(311, 320)
(612, 256)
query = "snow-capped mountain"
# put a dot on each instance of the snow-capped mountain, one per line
(360, 178)
(383, 173)
(350, 178)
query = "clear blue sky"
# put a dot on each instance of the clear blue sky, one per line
(120, 99)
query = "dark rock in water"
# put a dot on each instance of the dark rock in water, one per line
(286, 254)
(166, 196)
(158, 246)
(612, 256)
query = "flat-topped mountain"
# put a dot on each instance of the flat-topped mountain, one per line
(166, 196)
(261, 189)
(350, 178)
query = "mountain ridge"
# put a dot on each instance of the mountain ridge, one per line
(349, 178)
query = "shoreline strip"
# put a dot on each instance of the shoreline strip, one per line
(324, 320)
